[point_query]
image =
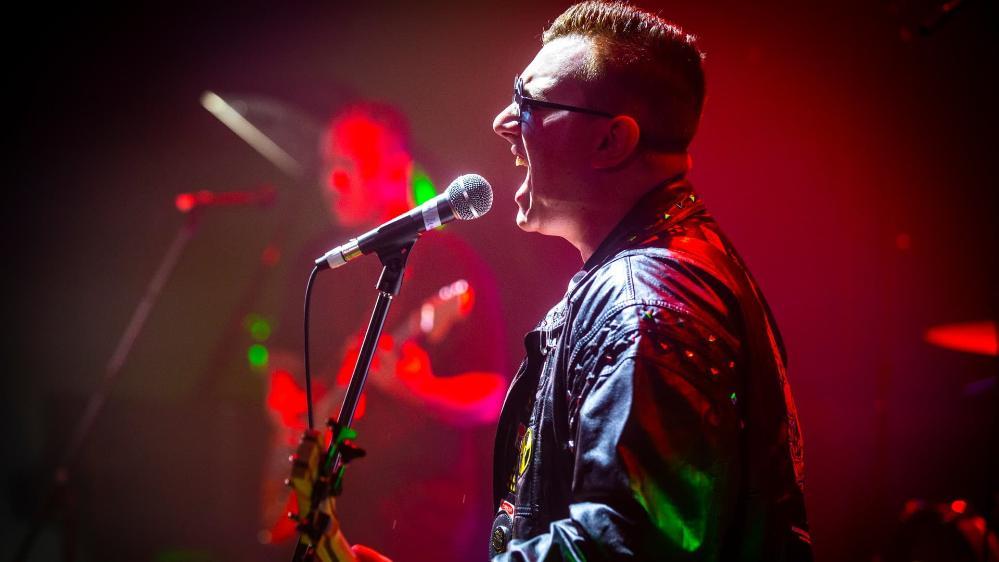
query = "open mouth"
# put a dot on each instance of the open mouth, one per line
(523, 193)
(518, 158)
(522, 196)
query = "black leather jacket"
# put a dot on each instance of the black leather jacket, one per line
(651, 418)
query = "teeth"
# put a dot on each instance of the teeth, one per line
(520, 162)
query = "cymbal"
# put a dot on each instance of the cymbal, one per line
(970, 337)
(282, 134)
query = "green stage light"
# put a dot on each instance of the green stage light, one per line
(257, 355)
(260, 329)
(423, 187)
(258, 326)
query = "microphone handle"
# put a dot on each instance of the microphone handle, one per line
(407, 226)
(400, 230)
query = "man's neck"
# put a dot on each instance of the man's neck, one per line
(596, 222)
(594, 228)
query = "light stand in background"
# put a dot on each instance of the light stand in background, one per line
(58, 488)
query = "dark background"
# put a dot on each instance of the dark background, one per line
(850, 161)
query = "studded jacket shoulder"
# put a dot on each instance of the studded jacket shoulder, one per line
(651, 417)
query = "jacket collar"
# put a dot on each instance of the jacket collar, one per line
(656, 214)
(658, 211)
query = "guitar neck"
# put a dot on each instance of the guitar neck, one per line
(408, 330)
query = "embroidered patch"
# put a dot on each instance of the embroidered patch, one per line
(518, 447)
(526, 447)
(508, 508)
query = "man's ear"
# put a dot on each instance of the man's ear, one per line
(619, 142)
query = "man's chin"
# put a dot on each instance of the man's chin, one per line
(524, 223)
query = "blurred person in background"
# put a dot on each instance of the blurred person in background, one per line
(426, 418)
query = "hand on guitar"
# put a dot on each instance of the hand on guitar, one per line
(365, 554)
(402, 368)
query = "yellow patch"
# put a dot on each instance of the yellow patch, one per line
(526, 447)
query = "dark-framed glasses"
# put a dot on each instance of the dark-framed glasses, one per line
(521, 101)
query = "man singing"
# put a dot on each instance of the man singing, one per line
(651, 418)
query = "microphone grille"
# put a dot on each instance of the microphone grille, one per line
(470, 196)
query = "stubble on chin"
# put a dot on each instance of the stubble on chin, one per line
(523, 223)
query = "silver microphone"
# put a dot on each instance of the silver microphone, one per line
(468, 197)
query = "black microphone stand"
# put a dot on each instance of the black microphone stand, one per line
(337, 455)
(59, 487)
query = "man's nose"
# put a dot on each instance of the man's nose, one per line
(507, 124)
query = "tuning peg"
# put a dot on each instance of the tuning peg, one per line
(349, 451)
(342, 433)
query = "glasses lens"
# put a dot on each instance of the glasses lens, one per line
(518, 95)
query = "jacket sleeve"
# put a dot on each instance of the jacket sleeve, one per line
(656, 448)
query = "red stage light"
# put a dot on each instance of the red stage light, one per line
(271, 255)
(972, 337)
(185, 202)
(903, 241)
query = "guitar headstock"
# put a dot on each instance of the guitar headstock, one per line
(305, 471)
(314, 490)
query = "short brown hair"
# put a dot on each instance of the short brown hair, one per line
(643, 64)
